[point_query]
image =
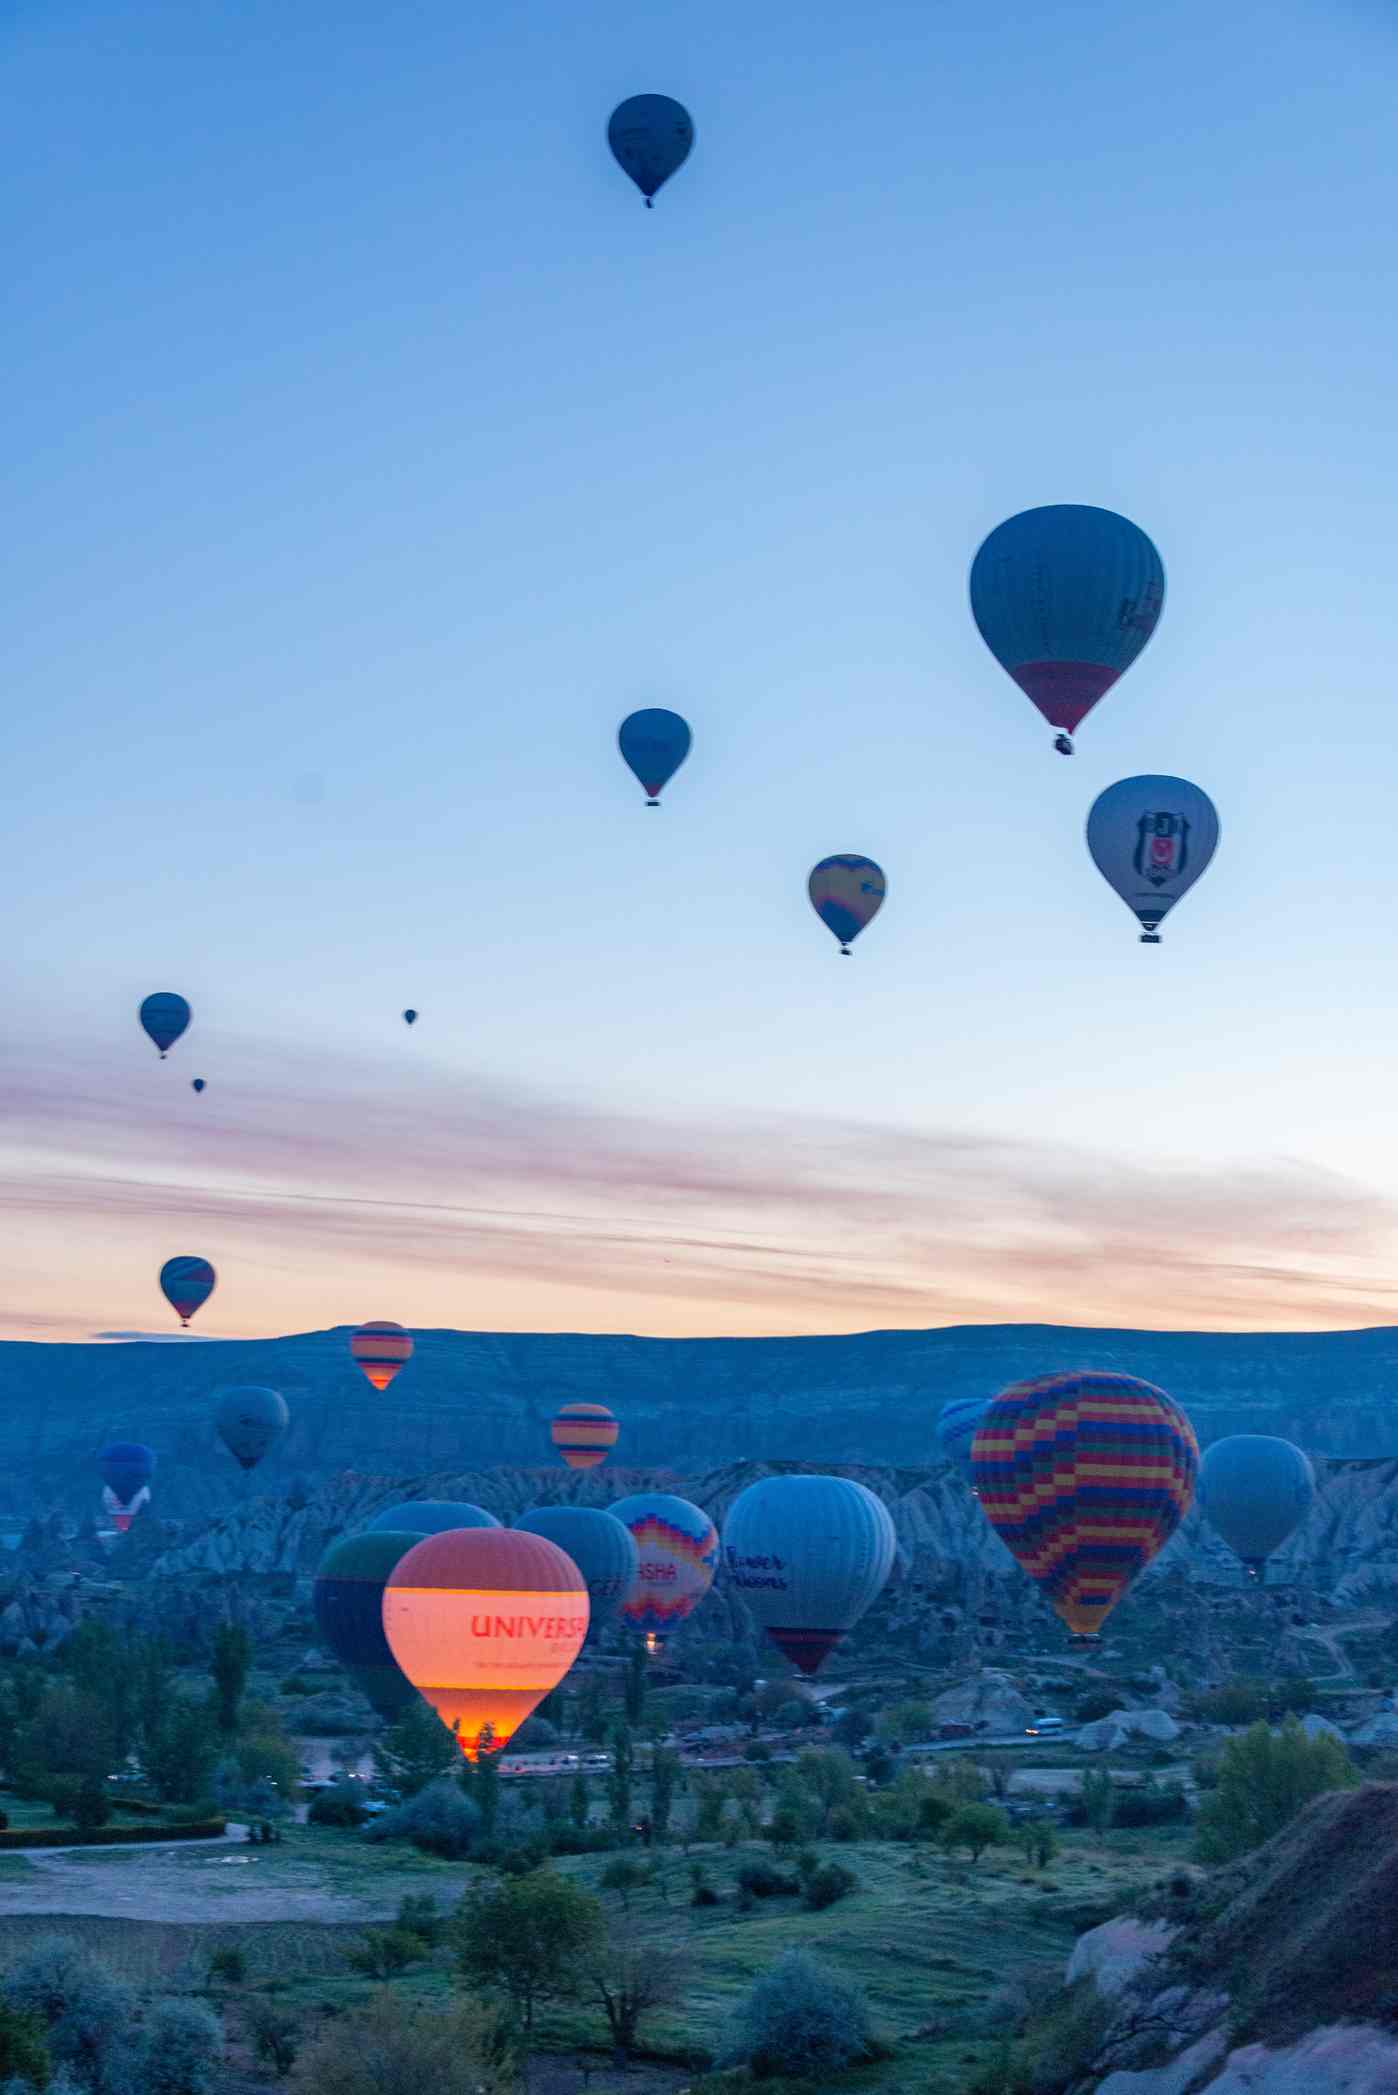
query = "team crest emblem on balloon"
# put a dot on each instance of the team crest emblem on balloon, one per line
(1162, 848)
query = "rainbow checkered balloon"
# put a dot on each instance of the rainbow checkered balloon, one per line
(1084, 1477)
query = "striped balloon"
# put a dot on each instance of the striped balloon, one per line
(186, 1284)
(846, 893)
(1084, 1477)
(584, 1434)
(380, 1349)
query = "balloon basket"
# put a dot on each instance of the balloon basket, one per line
(1150, 938)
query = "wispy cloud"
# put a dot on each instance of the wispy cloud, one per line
(324, 1196)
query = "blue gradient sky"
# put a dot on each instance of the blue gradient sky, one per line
(371, 451)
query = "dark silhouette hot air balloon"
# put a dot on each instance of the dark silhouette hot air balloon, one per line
(1084, 1477)
(379, 1349)
(250, 1422)
(598, 1544)
(164, 1017)
(484, 1622)
(432, 1517)
(808, 1555)
(677, 1555)
(1065, 598)
(846, 893)
(650, 136)
(348, 1600)
(956, 1430)
(197, 1084)
(653, 744)
(187, 1283)
(1255, 1491)
(410, 1018)
(584, 1434)
(1150, 839)
(126, 1468)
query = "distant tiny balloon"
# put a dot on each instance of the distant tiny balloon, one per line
(380, 1349)
(653, 744)
(197, 1084)
(187, 1283)
(846, 893)
(584, 1434)
(164, 1017)
(1150, 839)
(650, 136)
(410, 1018)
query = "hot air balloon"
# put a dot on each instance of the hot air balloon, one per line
(126, 1469)
(380, 1349)
(598, 1544)
(1065, 598)
(846, 893)
(164, 1017)
(650, 135)
(584, 1434)
(654, 744)
(1150, 839)
(431, 1517)
(1255, 1491)
(186, 1284)
(1084, 1476)
(808, 1555)
(956, 1429)
(197, 1084)
(677, 1553)
(250, 1422)
(410, 1018)
(348, 1599)
(484, 1622)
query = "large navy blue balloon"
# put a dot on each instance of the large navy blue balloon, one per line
(654, 743)
(348, 1600)
(431, 1517)
(164, 1017)
(651, 136)
(598, 1544)
(125, 1466)
(1255, 1491)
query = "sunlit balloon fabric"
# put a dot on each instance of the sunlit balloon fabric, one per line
(250, 1422)
(677, 1554)
(347, 1596)
(653, 743)
(380, 1349)
(1065, 598)
(164, 1017)
(584, 1434)
(956, 1430)
(650, 136)
(432, 1516)
(484, 1622)
(846, 893)
(1084, 1477)
(1254, 1491)
(808, 1555)
(187, 1283)
(598, 1544)
(1150, 838)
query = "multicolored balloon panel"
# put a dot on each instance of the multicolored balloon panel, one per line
(677, 1555)
(846, 893)
(380, 1349)
(1084, 1477)
(484, 1622)
(187, 1283)
(584, 1434)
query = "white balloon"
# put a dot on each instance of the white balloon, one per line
(1150, 839)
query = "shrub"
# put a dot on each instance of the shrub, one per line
(831, 1882)
(86, 2012)
(702, 1892)
(438, 1819)
(420, 1915)
(1150, 1803)
(1094, 1705)
(765, 1881)
(295, 1685)
(383, 1952)
(1265, 1777)
(340, 1805)
(183, 2042)
(799, 2018)
(975, 1827)
(24, 2051)
(274, 2027)
(395, 2047)
(228, 1964)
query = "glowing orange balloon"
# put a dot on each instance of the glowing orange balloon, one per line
(379, 1350)
(484, 1622)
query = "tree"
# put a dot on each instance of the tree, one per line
(68, 1733)
(619, 1783)
(178, 1755)
(629, 1972)
(24, 2051)
(1264, 1779)
(799, 2019)
(92, 1807)
(593, 1711)
(976, 1827)
(87, 2013)
(392, 2046)
(229, 1668)
(664, 1774)
(529, 1936)
(636, 1686)
(578, 1803)
(439, 1820)
(1096, 1798)
(905, 1723)
(184, 2043)
(97, 1652)
(826, 1774)
(852, 1727)
(480, 1779)
(415, 1750)
(1039, 1842)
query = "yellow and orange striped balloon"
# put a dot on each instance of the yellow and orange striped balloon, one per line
(484, 1622)
(584, 1434)
(379, 1350)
